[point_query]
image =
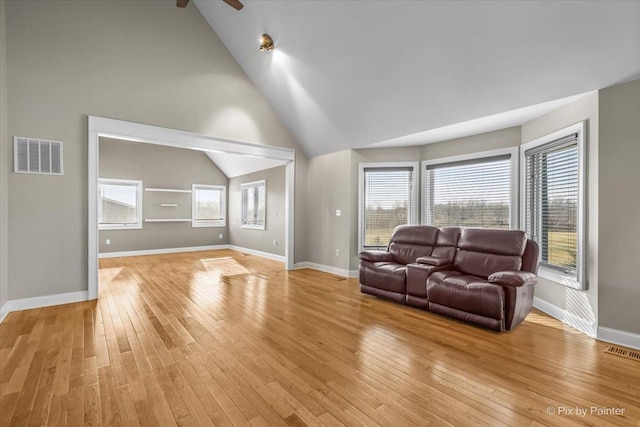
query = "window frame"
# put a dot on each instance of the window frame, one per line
(514, 216)
(133, 226)
(580, 282)
(243, 208)
(223, 206)
(387, 165)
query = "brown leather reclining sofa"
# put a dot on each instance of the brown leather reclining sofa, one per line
(483, 276)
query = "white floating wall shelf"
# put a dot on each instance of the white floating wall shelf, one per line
(167, 190)
(168, 220)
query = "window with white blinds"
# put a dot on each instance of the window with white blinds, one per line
(388, 199)
(553, 198)
(119, 204)
(208, 205)
(471, 192)
(253, 204)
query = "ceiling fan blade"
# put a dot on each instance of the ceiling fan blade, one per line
(234, 4)
(182, 3)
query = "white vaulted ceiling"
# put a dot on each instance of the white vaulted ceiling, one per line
(233, 165)
(351, 74)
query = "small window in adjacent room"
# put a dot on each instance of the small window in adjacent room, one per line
(478, 190)
(253, 204)
(208, 205)
(388, 198)
(119, 204)
(553, 203)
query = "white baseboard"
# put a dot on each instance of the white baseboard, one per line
(161, 251)
(564, 316)
(274, 257)
(327, 269)
(4, 310)
(550, 309)
(191, 249)
(615, 336)
(44, 301)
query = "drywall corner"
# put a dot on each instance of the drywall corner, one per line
(271, 239)
(619, 205)
(354, 222)
(4, 162)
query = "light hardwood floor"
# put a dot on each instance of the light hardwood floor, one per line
(224, 338)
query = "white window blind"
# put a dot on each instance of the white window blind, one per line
(388, 202)
(470, 193)
(119, 204)
(208, 207)
(253, 204)
(551, 202)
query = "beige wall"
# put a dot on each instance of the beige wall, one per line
(4, 164)
(160, 167)
(141, 61)
(619, 207)
(582, 304)
(504, 138)
(329, 188)
(400, 154)
(259, 240)
(301, 221)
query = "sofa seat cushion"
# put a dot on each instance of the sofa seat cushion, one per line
(467, 293)
(389, 276)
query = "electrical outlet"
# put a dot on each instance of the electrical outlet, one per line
(338, 212)
(337, 252)
(108, 241)
(220, 236)
(275, 213)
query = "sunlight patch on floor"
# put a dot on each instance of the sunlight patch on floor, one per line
(106, 275)
(546, 320)
(227, 266)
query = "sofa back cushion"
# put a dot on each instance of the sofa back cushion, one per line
(410, 242)
(485, 251)
(446, 245)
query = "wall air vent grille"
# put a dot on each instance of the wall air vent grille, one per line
(37, 156)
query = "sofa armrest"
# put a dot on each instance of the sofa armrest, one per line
(375, 256)
(431, 260)
(427, 268)
(417, 275)
(514, 279)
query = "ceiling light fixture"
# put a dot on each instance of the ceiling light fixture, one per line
(266, 43)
